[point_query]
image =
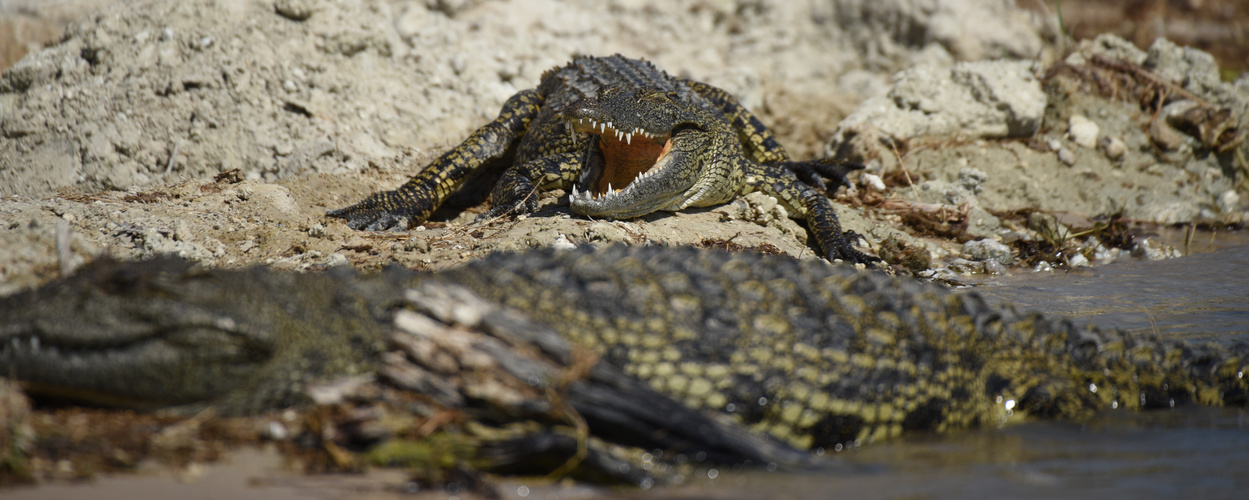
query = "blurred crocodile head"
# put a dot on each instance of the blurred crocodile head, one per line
(172, 334)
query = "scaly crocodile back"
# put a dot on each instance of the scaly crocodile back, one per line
(820, 354)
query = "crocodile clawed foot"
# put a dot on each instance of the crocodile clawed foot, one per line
(525, 206)
(360, 217)
(845, 250)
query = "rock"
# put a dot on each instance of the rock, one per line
(887, 30)
(964, 266)
(895, 250)
(994, 267)
(317, 230)
(1108, 46)
(873, 182)
(336, 259)
(1194, 69)
(1113, 147)
(968, 100)
(981, 223)
(1152, 249)
(971, 179)
(295, 10)
(1067, 156)
(987, 249)
(1082, 131)
(1229, 201)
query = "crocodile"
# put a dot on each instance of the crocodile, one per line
(737, 355)
(624, 139)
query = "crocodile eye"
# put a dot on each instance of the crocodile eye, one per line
(655, 96)
(608, 91)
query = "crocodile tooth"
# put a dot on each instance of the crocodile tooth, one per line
(602, 129)
(574, 192)
(629, 139)
(609, 190)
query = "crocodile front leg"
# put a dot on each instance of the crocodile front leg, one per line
(806, 203)
(418, 198)
(515, 192)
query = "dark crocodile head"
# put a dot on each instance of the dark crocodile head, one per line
(170, 335)
(109, 320)
(649, 154)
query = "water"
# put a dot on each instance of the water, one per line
(1184, 453)
(1203, 296)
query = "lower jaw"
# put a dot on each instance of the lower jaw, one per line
(620, 209)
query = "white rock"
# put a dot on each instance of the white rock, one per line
(1082, 131)
(1114, 147)
(874, 182)
(1229, 201)
(562, 243)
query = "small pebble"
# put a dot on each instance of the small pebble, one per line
(873, 182)
(1114, 147)
(295, 10)
(1082, 131)
(1066, 156)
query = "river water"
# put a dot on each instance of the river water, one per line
(1184, 453)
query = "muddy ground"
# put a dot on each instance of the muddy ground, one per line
(222, 130)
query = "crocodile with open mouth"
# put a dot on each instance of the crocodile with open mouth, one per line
(625, 139)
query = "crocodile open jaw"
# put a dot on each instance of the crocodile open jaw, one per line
(626, 157)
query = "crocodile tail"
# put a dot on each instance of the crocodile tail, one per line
(1063, 370)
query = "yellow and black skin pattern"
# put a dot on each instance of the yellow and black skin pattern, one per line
(807, 353)
(624, 139)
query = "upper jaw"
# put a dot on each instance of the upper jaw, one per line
(606, 128)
